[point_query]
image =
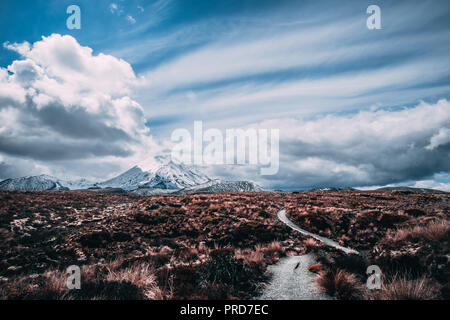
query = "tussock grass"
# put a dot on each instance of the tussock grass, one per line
(402, 288)
(434, 231)
(339, 284)
(311, 244)
(141, 276)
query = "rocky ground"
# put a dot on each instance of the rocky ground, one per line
(215, 246)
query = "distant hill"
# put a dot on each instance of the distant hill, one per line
(410, 189)
(32, 183)
(331, 189)
(43, 182)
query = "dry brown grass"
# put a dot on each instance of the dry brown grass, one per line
(311, 244)
(50, 285)
(255, 257)
(142, 277)
(273, 252)
(53, 284)
(55, 281)
(434, 231)
(401, 288)
(261, 255)
(175, 235)
(339, 284)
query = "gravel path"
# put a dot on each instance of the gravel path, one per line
(292, 280)
(328, 242)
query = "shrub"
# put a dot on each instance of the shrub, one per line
(185, 281)
(240, 275)
(273, 251)
(311, 245)
(339, 284)
(222, 267)
(353, 263)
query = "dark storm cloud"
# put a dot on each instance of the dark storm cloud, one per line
(9, 171)
(368, 148)
(76, 122)
(384, 164)
(38, 149)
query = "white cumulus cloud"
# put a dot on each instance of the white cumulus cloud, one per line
(441, 138)
(376, 147)
(61, 102)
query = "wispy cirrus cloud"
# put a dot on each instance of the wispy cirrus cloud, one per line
(305, 69)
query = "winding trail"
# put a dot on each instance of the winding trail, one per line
(291, 280)
(326, 241)
(282, 216)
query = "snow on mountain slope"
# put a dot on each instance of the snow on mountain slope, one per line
(331, 189)
(43, 182)
(223, 186)
(34, 183)
(158, 176)
(162, 173)
(128, 180)
(77, 184)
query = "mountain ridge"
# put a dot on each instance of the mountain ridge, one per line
(161, 176)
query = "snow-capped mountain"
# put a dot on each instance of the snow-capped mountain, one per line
(77, 184)
(162, 173)
(43, 182)
(34, 183)
(217, 185)
(159, 176)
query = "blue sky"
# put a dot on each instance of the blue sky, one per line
(241, 63)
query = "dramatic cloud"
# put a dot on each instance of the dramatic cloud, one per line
(321, 59)
(10, 171)
(376, 147)
(441, 138)
(62, 102)
(333, 88)
(439, 182)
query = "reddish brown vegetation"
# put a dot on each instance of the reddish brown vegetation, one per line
(211, 246)
(402, 288)
(404, 233)
(340, 284)
(197, 246)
